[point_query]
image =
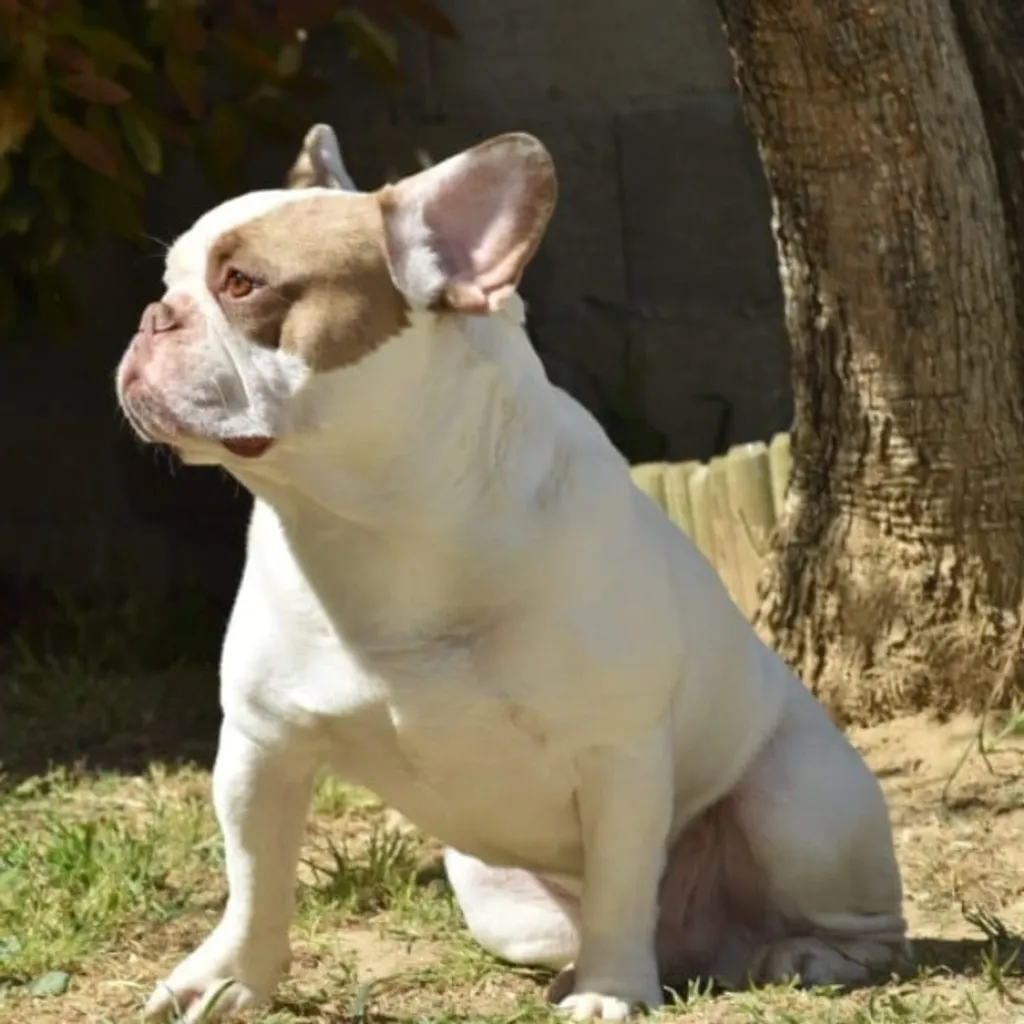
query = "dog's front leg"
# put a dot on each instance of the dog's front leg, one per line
(261, 798)
(625, 805)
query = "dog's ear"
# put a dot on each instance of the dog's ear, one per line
(319, 163)
(460, 233)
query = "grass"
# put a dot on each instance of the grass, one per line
(111, 864)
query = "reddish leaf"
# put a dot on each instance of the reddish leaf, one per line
(188, 32)
(84, 147)
(96, 89)
(100, 124)
(110, 47)
(72, 57)
(177, 133)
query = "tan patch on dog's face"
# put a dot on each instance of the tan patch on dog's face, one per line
(310, 278)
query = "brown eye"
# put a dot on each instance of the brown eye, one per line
(238, 285)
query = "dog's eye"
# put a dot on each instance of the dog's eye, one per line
(238, 285)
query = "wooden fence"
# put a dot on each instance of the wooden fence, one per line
(729, 506)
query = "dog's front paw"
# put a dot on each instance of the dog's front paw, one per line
(221, 978)
(586, 1004)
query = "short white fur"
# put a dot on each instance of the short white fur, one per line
(453, 594)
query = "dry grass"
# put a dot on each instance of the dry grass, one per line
(108, 875)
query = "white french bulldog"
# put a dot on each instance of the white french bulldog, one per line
(454, 596)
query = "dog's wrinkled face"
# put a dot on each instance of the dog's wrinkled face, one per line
(262, 293)
(273, 290)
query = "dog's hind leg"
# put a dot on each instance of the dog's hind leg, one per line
(816, 822)
(513, 913)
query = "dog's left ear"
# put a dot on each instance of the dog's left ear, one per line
(319, 162)
(460, 233)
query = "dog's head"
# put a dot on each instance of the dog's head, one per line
(277, 294)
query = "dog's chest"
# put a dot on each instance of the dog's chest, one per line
(464, 761)
(464, 758)
(461, 733)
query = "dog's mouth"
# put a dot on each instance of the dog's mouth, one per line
(165, 429)
(247, 447)
(155, 420)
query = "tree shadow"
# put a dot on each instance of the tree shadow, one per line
(124, 726)
(107, 686)
(996, 957)
(971, 958)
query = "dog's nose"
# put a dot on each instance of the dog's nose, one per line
(158, 317)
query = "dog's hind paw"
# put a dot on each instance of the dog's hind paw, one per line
(814, 961)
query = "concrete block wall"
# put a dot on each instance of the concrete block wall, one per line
(656, 287)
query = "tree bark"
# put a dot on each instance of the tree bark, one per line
(896, 578)
(992, 34)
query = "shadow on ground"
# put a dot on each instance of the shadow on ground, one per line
(108, 686)
(118, 725)
(968, 958)
(954, 958)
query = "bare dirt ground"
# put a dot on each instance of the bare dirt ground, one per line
(107, 880)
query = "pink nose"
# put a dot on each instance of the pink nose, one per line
(158, 317)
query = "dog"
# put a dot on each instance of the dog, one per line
(454, 596)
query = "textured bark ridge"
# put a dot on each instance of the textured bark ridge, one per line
(992, 33)
(897, 576)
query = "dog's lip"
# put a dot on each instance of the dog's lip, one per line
(247, 447)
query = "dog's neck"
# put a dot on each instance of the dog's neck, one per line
(414, 527)
(454, 412)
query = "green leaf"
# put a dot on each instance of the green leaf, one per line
(372, 43)
(187, 80)
(427, 15)
(17, 213)
(31, 52)
(58, 248)
(45, 165)
(289, 59)
(248, 54)
(96, 89)
(19, 108)
(54, 983)
(142, 140)
(109, 47)
(82, 145)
